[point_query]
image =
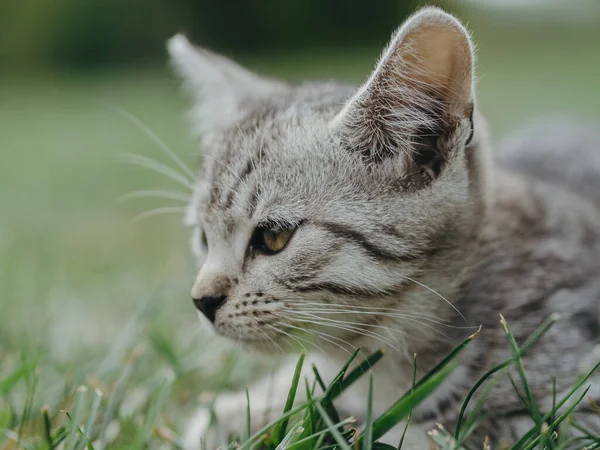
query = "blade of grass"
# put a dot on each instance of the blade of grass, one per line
(47, 427)
(368, 440)
(475, 418)
(414, 380)
(156, 406)
(359, 371)
(89, 425)
(8, 382)
(248, 416)
(32, 384)
(164, 348)
(421, 390)
(309, 418)
(75, 418)
(531, 403)
(115, 398)
(557, 422)
(545, 436)
(559, 405)
(319, 442)
(327, 397)
(290, 438)
(453, 354)
(321, 434)
(516, 388)
(280, 430)
(582, 429)
(594, 405)
(260, 433)
(335, 388)
(332, 428)
(535, 336)
(399, 410)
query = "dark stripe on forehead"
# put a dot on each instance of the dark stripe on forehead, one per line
(363, 241)
(240, 181)
(215, 189)
(253, 199)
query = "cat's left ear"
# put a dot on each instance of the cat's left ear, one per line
(223, 90)
(420, 92)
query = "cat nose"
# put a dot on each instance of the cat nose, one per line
(209, 304)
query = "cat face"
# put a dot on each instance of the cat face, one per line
(320, 204)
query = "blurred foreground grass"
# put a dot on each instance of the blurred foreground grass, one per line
(93, 297)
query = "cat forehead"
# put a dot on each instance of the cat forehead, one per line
(281, 134)
(286, 165)
(285, 117)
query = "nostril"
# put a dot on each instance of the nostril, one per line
(209, 305)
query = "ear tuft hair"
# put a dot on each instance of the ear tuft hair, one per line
(420, 90)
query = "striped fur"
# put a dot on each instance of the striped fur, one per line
(407, 235)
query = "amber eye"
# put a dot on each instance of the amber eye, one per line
(270, 241)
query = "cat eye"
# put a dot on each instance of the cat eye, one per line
(269, 240)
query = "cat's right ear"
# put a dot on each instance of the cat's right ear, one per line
(419, 96)
(222, 89)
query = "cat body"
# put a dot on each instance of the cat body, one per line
(335, 218)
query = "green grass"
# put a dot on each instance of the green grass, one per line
(90, 297)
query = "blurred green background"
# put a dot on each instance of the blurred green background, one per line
(81, 281)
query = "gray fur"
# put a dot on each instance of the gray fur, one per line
(407, 234)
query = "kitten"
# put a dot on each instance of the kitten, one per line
(375, 218)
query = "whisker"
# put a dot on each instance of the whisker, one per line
(350, 310)
(322, 335)
(169, 195)
(265, 334)
(392, 329)
(436, 293)
(308, 341)
(159, 211)
(141, 126)
(149, 133)
(347, 305)
(345, 322)
(157, 166)
(287, 334)
(352, 329)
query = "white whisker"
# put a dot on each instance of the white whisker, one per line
(157, 166)
(287, 334)
(353, 329)
(159, 211)
(149, 133)
(321, 308)
(436, 293)
(265, 334)
(325, 337)
(169, 195)
(318, 311)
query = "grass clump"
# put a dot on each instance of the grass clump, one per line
(92, 419)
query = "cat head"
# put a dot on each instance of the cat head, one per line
(319, 202)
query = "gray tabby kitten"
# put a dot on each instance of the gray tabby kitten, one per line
(375, 218)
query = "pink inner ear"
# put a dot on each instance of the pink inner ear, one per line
(435, 58)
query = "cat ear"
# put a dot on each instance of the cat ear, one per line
(421, 90)
(222, 89)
